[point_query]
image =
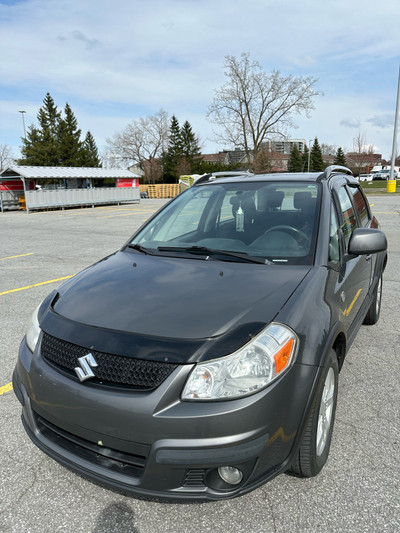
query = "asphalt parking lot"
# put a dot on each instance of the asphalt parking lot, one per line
(359, 488)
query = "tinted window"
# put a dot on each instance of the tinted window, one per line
(361, 206)
(349, 216)
(273, 220)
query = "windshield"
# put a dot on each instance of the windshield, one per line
(274, 221)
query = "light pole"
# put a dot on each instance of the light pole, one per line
(391, 184)
(309, 153)
(23, 122)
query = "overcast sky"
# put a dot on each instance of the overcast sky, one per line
(115, 61)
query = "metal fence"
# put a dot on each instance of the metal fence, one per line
(10, 199)
(69, 197)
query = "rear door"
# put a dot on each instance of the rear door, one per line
(365, 221)
(354, 275)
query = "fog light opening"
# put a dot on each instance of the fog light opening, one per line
(230, 474)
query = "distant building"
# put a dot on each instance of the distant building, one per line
(220, 157)
(236, 156)
(285, 146)
(364, 161)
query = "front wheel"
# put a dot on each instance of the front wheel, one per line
(314, 448)
(374, 310)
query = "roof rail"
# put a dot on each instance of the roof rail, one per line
(225, 174)
(332, 169)
(202, 178)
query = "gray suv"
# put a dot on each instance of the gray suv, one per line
(202, 358)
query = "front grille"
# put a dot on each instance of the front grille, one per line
(131, 464)
(111, 369)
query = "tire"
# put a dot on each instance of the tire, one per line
(374, 310)
(314, 448)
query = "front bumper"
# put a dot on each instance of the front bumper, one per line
(151, 444)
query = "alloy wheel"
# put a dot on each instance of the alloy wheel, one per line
(325, 415)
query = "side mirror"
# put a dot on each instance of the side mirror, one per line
(366, 241)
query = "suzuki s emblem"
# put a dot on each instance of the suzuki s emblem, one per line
(84, 371)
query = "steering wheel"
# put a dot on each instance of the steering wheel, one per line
(301, 238)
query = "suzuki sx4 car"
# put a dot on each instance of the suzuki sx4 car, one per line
(202, 358)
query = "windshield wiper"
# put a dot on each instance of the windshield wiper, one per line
(141, 249)
(244, 256)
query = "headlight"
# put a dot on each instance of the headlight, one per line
(250, 369)
(33, 332)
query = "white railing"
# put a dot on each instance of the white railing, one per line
(69, 197)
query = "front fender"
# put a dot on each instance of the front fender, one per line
(311, 315)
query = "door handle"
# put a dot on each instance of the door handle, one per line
(368, 257)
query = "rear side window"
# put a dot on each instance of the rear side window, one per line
(349, 216)
(361, 206)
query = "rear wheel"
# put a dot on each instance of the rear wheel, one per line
(374, 311)
(314, 448)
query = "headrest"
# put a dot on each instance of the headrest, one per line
(275, 198)
(270, 199)
(302, 199)
(246, 201)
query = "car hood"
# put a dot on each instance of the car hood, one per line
(177, 298)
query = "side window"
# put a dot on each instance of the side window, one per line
(361, 206)
(334, 242)
(349, 216)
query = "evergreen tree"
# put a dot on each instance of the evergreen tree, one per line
(69, 139)
(316, 162)
(304, 159)
(89, 155)
(41, 146)
(190, 146)
(56, 140)
(207, 167)
(31, 153)
(48, 116)
(174, 154)
(340, 158)
(295, 163)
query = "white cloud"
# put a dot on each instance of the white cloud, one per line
(130, 58)
(382, 121)
(334, 122)
(350, 122)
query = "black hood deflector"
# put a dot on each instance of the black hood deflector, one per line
(167, 308)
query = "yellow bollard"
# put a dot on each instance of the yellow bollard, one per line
(391, 186)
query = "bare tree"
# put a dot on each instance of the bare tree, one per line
(252, 104)
(267, 160)
(6, 156)
(141, 142)
(108, 160)
(362, 154)
(328, 149)
(359, 143)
